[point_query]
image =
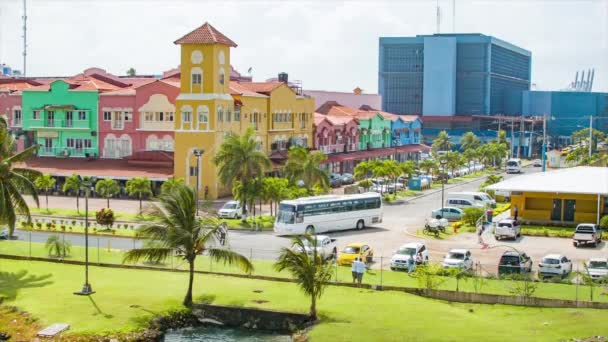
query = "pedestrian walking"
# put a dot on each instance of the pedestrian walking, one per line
(354, 270)
(515, 212)
(411, 267)
(223, 232)
(360, 269)
(479, 233)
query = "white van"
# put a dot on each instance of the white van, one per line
(514, 165)
(463, 203)
(477, 199)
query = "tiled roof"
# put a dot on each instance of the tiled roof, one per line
(120, 92)
(237, 88)
(340, 120)
(261, 87)
(205, 34)
(172, 82)
(319, 118)
(15, 86)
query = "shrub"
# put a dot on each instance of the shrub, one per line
(125, 226)
(63, 227)
(604, 222)
(73, 222)
(366, 183)
(49, 225)
(471, 215)
(105, 217)
(39, 225)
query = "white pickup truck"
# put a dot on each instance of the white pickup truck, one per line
(326, 246)
(587, 233)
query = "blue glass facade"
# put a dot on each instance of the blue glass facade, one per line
(486, 70)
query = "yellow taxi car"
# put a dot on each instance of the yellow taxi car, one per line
(353, 251)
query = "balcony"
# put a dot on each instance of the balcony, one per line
(58, 124)
(329, 149)
(64, 152)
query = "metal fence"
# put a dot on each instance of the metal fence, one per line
(481, 278)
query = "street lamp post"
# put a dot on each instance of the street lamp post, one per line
(87, 183)
(198, 152)
(443, 162)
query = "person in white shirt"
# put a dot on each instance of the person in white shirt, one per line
(360, 267)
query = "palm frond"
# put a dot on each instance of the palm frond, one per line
(231, 258)
(152, 253)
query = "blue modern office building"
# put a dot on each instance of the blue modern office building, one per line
(451, 74)
(566, 111)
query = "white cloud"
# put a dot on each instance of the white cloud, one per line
(326, 44)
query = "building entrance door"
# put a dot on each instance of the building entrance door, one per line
(556, 212)
(569, 210)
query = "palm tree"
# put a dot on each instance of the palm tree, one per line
(57, 246)
(311, 272)
(176, 228)
(275, 190)
(107, 188)
(470, 155)
(45, 183)
(408, 168)
(239, 160)
(170, 184)
(469, 141)
(15, 181)
(491, 179)
(139, 187)
(304, 165)
(427, 166)
(363, 170)
(73, 184)
(442, 142)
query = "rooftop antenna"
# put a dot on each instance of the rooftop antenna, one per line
(438, 18)
(592, 76)
(24, 17)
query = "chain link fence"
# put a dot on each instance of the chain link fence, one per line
(381, 271)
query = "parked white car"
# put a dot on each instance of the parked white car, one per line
(232, 209)
(474, 197)
(597, 268)
(326, 246)
(406, 252)
(463, 203)
(554, 265)
(458, 258)
(587, 233)
(508, 228)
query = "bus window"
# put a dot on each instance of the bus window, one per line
(286, 213)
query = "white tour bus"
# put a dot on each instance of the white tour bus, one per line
(514, 165)
(320, 214)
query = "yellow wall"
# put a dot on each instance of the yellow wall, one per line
(536, 206)
(213, 95)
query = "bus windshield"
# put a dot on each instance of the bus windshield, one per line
(287, 213)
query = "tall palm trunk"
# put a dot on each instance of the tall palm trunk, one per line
(47, 200)
(313, 308)
(77, 202)
(188, 298)
(140, 204)
(109, 203)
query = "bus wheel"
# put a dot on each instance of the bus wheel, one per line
(310, 230)
(360, 224)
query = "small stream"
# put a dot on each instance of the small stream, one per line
(216, 334)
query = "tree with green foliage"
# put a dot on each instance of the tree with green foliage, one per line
(176, 230)
(491, 179)
(453, 161)
(15, 181)
(73, 184)
(429, 276)
(131, 72)
(582, 135)
(139, 187)
(105, 217)
(107, 188)
(469, 156)
(305, 166)
(469, 141)
(428, 166)
(57, 247)
(311, 271)
(275, 190)
(471, 215)
(171, 184)
(407, 168)
(239, 160)
(45, 183)
(363, 170)
(442, 142)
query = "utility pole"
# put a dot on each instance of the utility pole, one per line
(453, 16)
(24, 17)
(544, 149)
(590, 136)
(498, 132)
(512, 136)
(438, 18)
(520, 140)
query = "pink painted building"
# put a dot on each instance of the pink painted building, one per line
(137, 119)
(336, 134)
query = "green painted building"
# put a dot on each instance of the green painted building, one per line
(64, 120)
(374, 131)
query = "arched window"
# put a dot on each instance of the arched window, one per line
(203, 117)
(196, 77)
(167, 143)
(125, 146)
(222, 76)
(220, 114)
(221, 58)
(186, 112)
(109, 148)
(152, 143)
(196, 57)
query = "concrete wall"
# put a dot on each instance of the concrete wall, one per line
(250, 318)
(439, 84)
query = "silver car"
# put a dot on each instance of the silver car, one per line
(4, 234)
(450, 213)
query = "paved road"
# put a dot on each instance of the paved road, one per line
(399, 226)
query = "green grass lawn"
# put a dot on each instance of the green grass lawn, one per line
(126, 299)
(265, 223)
(342, 273)
(80, 214)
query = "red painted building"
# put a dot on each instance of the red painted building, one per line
(137, 119)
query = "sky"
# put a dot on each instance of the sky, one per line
(329, 45)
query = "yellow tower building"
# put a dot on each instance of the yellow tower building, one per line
(202, 106)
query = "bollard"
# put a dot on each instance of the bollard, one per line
(381, 267)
